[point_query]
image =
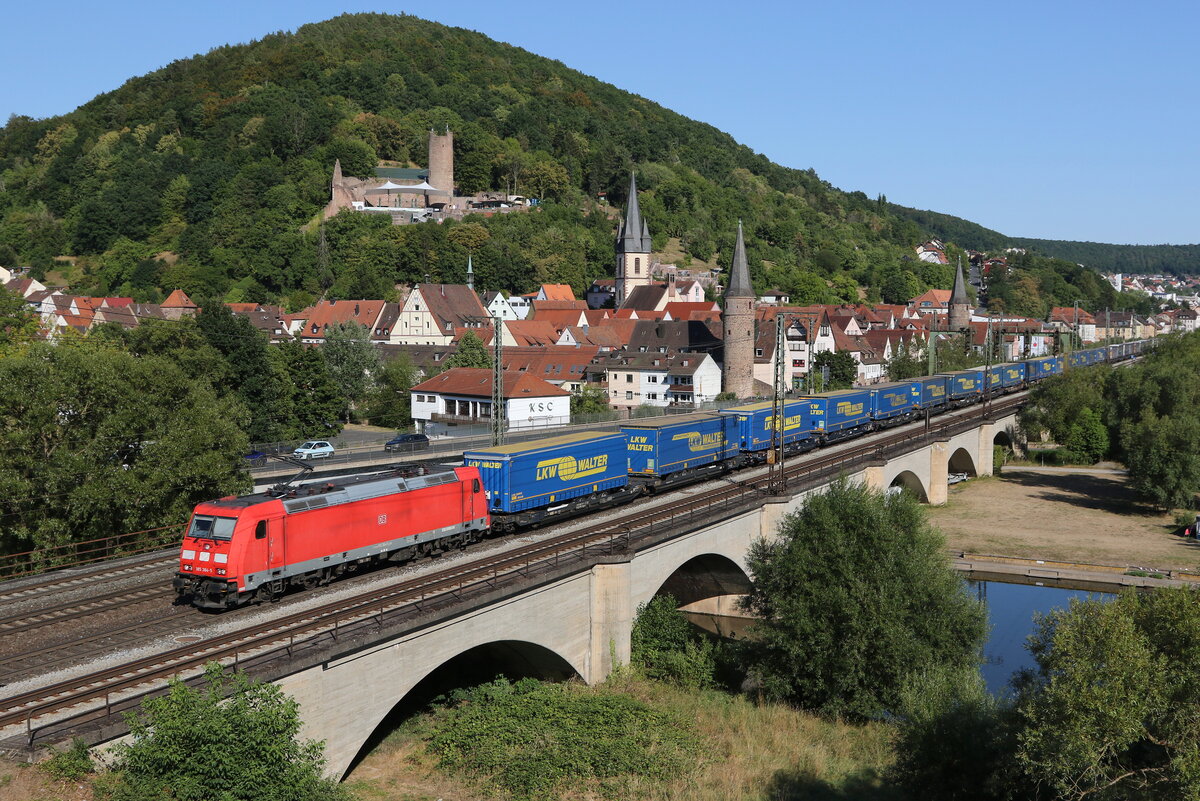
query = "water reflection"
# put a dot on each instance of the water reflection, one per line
(1011, 608)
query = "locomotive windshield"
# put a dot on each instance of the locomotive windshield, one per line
(212, 528)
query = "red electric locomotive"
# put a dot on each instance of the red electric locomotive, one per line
(256, 546)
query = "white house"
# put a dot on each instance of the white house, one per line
(432, 312)
(498, 306)
(661, 379)
(463, 396)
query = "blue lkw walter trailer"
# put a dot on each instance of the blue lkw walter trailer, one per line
(757, 420)
(894, 400)
(964, 385)
(527, 475)
(933, 390)
(663, 446)
(1005, 376)
(1043, 367)
(838, 413)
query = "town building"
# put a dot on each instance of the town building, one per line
(463, 396)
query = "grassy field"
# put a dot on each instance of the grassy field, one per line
(749, 752)
(1077, 515)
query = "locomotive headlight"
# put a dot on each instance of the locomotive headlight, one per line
(220, 571)
(187, 567)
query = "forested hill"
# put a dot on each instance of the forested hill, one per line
(210, 175)
(220, 159)
(1171, 259)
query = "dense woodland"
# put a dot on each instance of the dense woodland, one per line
(209, 175)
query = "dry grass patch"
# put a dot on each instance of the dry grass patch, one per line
(748, 752)
(1081, 516)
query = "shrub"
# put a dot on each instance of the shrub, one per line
(533, 739)
(72, 764)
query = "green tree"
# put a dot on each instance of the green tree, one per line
(590, 401)
(317, 401)
(1088, 437)
(842, 368)
(1113, 709)
(97, 441)
(954, 740)
(853, 598)
(390, 402)
(1163, 457)
(258, 381)
(665, 646)
(907, 362)
(352, 361)
(18, 323)
(471, 352)
(231, 739)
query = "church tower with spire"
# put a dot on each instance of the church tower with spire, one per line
(633, 248)
(738, 321)
(960, 304)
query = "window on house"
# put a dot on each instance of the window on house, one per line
(629, 378)
(637, 266)
(758, 351)
(628, 396)
(652, 396)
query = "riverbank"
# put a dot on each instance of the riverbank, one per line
(1084, 515)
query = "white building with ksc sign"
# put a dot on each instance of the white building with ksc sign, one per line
(463, 396)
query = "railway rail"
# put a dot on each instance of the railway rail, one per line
(121, 687)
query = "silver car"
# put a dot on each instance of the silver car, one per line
(314, 449)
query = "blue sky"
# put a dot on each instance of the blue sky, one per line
(1063, 120)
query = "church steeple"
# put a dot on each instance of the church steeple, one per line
(634, 236)
(633, 248)
(739, 271)
(959, 316)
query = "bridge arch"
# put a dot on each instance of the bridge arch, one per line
(907, 479)
(961, 461)
(706, 575)
(512, 659)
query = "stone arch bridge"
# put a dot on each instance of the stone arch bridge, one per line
(579, 624)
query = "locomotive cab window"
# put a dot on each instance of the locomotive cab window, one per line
(212, 528)
(260, 531)
(474, 485)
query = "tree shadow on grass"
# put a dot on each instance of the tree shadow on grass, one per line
(799, 785)
(1103, 493)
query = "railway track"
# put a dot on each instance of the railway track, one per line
(282, 635)
(54, 583)
(72, 611)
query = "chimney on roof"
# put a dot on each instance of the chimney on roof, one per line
(355, 309)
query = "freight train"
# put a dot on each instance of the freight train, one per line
(256, 547)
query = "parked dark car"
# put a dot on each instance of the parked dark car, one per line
(256, 458)
(407, 443)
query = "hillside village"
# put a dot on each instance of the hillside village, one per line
(649, 336)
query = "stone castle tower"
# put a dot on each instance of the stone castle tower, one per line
(633, 248)
(441, 161)
(960, 304)
(738, 320)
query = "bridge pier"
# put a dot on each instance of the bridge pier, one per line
(939, 472)
(611, 622)
(983, 463)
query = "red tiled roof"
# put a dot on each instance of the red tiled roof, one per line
(178, 299)
(329, 312)
(558, 319)
(477, 383)
(681, 310)
(555, 292)
(532, 332)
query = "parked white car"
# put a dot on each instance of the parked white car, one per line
(314, 449)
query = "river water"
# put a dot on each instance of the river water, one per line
(1011, 610)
